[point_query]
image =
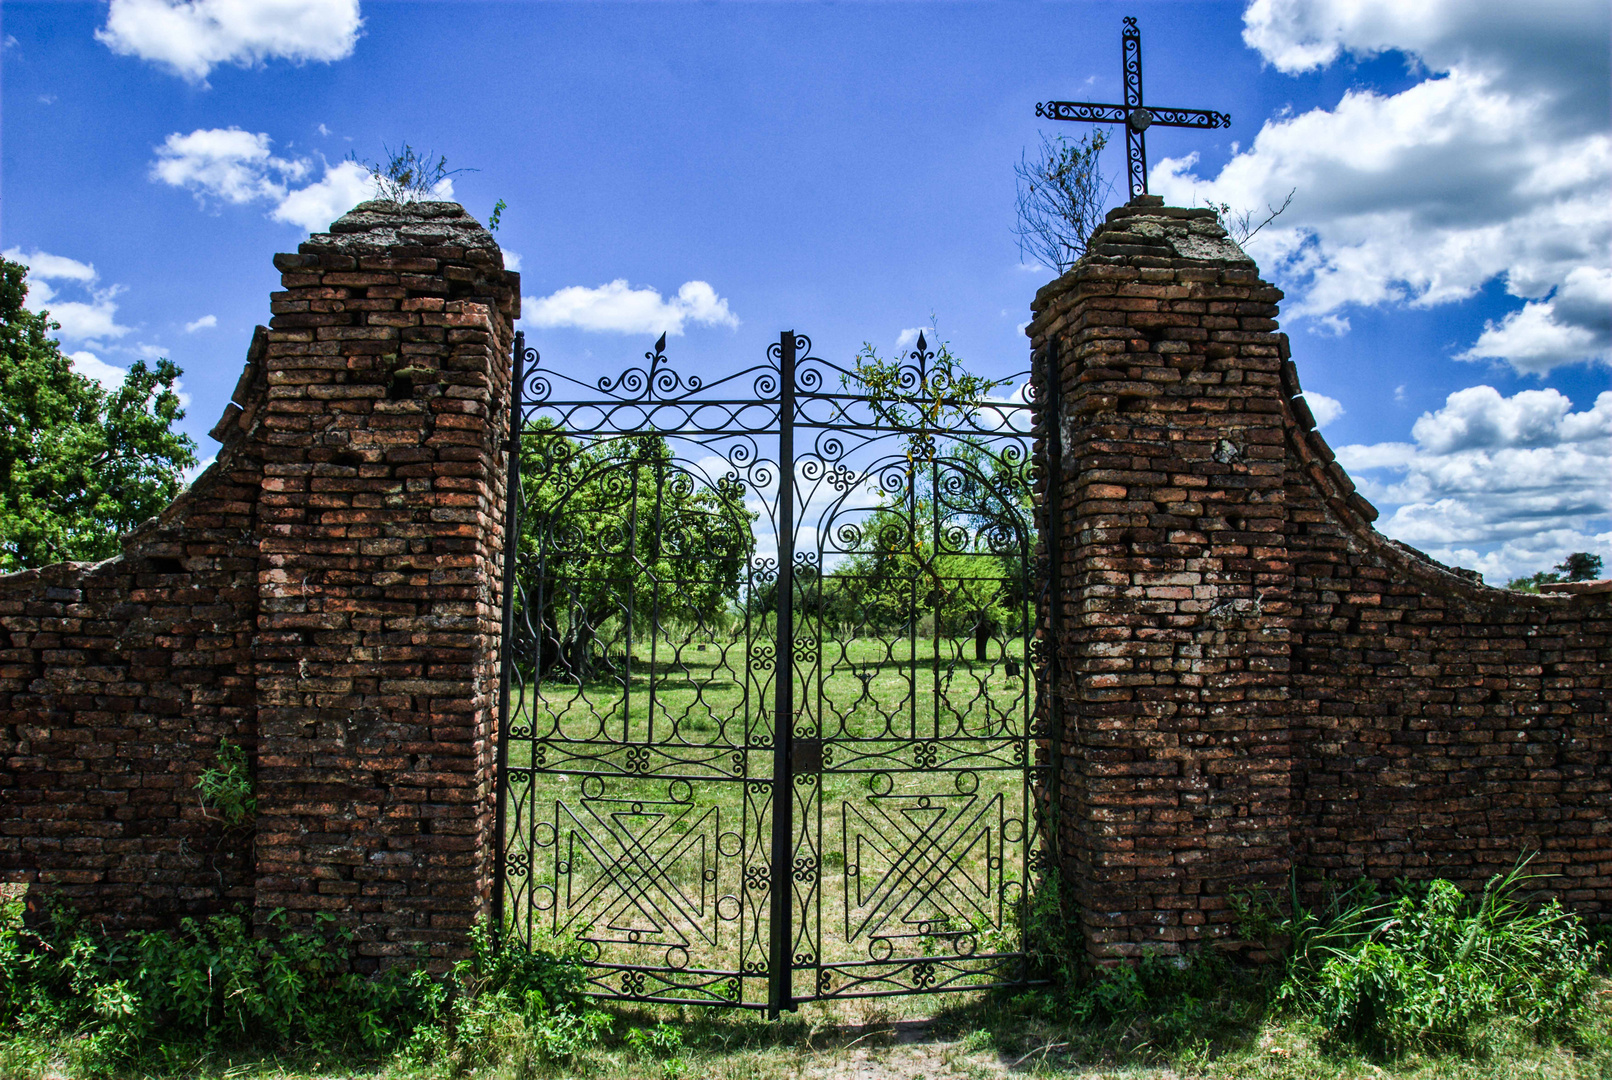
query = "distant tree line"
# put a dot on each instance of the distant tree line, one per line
(1579, 566)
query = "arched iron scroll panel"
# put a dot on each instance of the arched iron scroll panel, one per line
(770, 725)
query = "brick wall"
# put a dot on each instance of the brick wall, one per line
(327, 594)
(118, 680)
(1253, 681)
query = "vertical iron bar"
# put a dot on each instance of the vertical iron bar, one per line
(1052, 530)
(651, 558)
(935, 582)
(1136, 157)
(512, 492)
(632, 608)
(780, 995)
(1135, 141)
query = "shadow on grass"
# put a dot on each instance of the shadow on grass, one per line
(1229, 1033)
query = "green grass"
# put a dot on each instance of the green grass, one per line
(974, 1039)
(80, 1003)
(649, 814)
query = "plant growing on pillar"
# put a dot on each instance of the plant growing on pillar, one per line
(1061, 195)
(226, 788)
(410, 175)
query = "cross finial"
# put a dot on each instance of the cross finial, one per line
(1136, 116)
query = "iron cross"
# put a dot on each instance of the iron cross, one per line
(1136, 117)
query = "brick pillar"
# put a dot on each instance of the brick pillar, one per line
(379, 575)
(1174, 582)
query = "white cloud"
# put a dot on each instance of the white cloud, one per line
(512, 260)
(1574, 323)
(1324, 409)
(42, 264)
(1490, 478)
(240, 167)
(1527, 555)
(908, 338)
(225, 163)
(191, 37)
(206, 322)
(1495, 166)
(94, 319)
(313, 208)
(1548, 42)
(87, 363)
(619, 308)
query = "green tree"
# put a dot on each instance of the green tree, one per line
(1579, 566)
(948, 544)
(619, 537)
(79, 465)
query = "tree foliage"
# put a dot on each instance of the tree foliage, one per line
(79, 464)
(618, 536)
(947, 541)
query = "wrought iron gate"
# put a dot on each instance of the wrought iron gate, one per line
(691, 560)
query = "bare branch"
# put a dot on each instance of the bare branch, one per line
(1239, 224)
(1061, 195)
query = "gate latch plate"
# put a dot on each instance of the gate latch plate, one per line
(806, 756)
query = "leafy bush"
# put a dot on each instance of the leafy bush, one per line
(664, 1042)
(167, 998)
(1427, 968)
(209, 985)
(1164, 1001)
(513, 1004)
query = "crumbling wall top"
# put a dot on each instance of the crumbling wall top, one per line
(380, 225)
(1144, 230)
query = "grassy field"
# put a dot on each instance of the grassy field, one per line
(641, 801)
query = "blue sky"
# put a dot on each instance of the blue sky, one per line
(846, 170)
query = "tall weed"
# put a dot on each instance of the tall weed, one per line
(1162, 1001)
(511, 1006)
(1431, 966)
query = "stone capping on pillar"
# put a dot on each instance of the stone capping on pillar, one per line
(1255, 682)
